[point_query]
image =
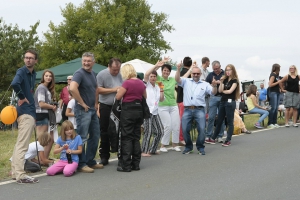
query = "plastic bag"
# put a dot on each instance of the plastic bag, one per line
(58, 115)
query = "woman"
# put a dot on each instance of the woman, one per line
(254, 107)
(132, 92)
(153, 124)
(43, 99)
(291, 98)
(230, 90)
(168, 109)
(274, 94)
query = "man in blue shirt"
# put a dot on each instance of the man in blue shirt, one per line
(23, 85)
(262, 95)
(194, 91)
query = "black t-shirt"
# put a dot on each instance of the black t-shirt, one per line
(227, 86)
(276, 87)
(180, 89)
(292, 84)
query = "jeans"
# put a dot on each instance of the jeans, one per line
(197, 114)
(274, 102)
(225, 109)
(262, 112)
(87, 124)
(214, 103)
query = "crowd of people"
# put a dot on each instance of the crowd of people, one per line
(205, 98)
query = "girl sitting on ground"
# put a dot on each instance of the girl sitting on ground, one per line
(37, 148)
(69, 145)
(253, 106)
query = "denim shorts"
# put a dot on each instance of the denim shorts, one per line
(42, 122)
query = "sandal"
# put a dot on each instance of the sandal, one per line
(247, 132)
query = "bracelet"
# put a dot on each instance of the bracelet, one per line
(161, 91)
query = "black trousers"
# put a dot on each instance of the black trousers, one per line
(104, 134)
(63, 113)
(131, 121)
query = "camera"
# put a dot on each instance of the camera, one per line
(69, 157)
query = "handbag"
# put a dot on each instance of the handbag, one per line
(146, 111)
(58, 115)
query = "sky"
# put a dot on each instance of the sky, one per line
(251, 35)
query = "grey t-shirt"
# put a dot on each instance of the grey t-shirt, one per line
(42, 94)
(106, 80)
(87, 87)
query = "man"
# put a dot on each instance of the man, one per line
(108, 80)
(262, 95)
(187, 63)
(205, 64)
(214, 101)
(23, 84)
(84, 90)
(194, 104)
(64, 96)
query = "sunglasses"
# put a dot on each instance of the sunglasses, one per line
(196, 73)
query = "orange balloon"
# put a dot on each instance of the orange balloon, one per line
(8, 115)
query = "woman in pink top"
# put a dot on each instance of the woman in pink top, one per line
(132, 92)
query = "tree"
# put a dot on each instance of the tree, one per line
(109, 28)
(13, 43)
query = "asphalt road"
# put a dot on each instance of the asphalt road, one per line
(263, 165)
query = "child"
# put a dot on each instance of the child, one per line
(70, 111)
(253, 106)
(69, 144)
(31, 162)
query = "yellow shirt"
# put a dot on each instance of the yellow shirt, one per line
(250, 104)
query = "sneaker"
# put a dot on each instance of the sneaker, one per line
(257, 125)
(276, 125)
(86, 169)
(187, 151)
(176, 149)
(220, 140)
(290, 122)
(206, 139)
(226, 144)
(201, 151)
(27, 179)
(295, 125)
(287, 125)
(163, 149)
(271, 126)
(97, 166)
(182, 143)
(210, 141)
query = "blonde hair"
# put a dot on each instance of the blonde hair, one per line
(67, 125)
(44, 138)
(296, 71)
(128, 72)
(233, 76)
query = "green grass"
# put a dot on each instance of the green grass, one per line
(8, 139)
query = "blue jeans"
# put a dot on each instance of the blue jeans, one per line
(87, 124)
(197, 114)
(262, 112)
(225, 109)
(214, 103)
(274, 102)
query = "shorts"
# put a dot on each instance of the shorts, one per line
(42, 122)
(291, 100)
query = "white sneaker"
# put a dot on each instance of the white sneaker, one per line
(276, 125)
(176, 149)
(163, 149)
(271, 126)
(290, 122)
(220, 140)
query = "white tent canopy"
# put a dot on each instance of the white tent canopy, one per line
(142, 66)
